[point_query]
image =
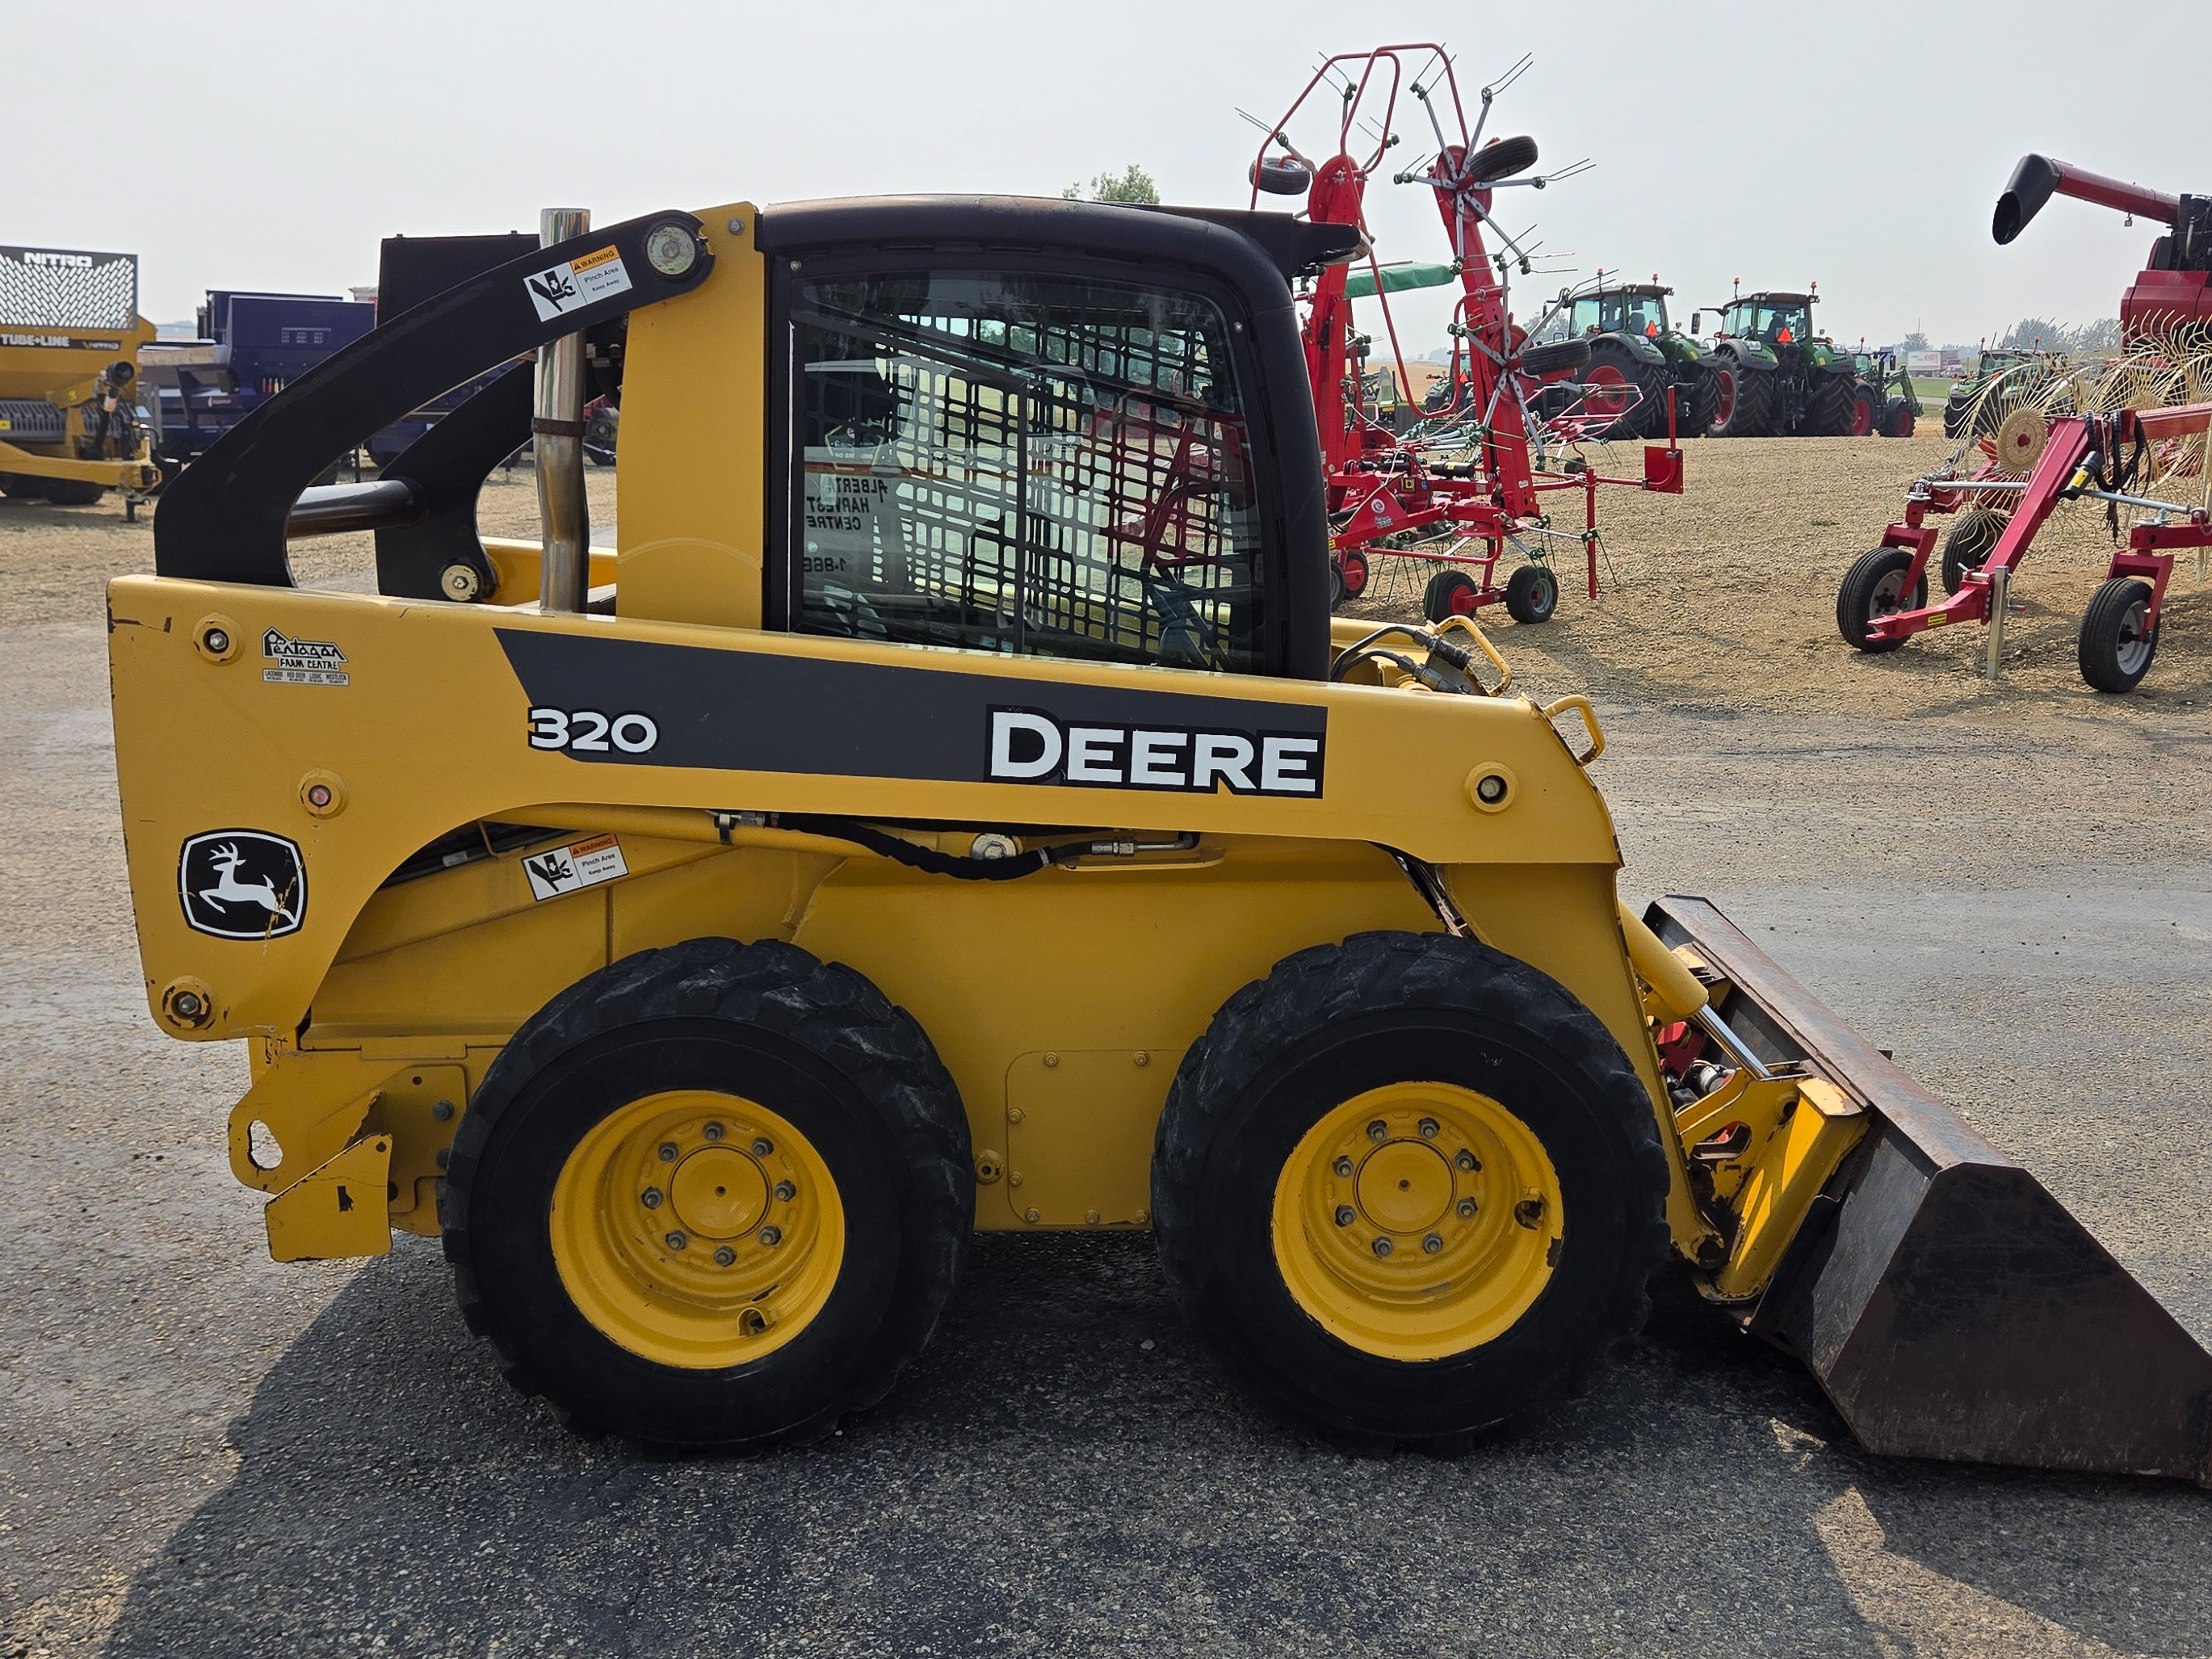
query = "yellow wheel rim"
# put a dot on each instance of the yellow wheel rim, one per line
(697, 1229)
(1418, 1221)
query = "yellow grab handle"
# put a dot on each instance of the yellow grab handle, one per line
(1580, 706)
(1675, 987)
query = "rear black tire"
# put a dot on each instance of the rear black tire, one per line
(1872, 587)
(1828, 407)
(1327, 1025)
(1970, 543)
(73, 492)
(2116, 646)
(1555, 358)
(1705, 403)
(1743, 405)
(1613, 363)
(1337, 588)
(1532, 594)
(1450, 593)
(22, 487)
(815, 1043)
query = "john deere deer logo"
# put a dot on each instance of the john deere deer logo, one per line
(242, 883)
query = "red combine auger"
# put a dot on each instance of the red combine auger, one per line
(1469, 481)
(2088, 437)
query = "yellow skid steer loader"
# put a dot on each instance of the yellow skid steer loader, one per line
(946, 807)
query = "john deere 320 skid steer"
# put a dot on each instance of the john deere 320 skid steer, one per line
(946, 807)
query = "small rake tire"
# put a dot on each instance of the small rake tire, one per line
(812, 1042)
(1532, 594)
(1872, 587)
(2116, 647)
(1450, 593)
(1332, 1025)
(1969, 543)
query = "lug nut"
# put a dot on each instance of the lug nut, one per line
(712, 1131)
(1344, 1215)
(762, 1147)
(668, 1151)
(1382, 1247)
(724, 1255)
(650, 1198)
(771, 1237)
(785, 1192)
(1467, 1209)
(1343, 1168)
(1428, 1128)
(1468, 1160)
(676, 1241)
(1376, 1130)
(1432, 1244)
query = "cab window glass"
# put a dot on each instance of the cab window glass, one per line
(1030, 464)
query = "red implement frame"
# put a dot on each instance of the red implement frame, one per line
(2150, 548)
(1381, 484)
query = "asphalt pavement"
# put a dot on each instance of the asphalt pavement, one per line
(202, 1452)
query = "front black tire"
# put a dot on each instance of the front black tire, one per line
(1970, 543)
(1324, 1030)
(1897, 420)
(2118, 639)
(1614, 365)
(814, 1043)
(1874, 586)
(1532, 594)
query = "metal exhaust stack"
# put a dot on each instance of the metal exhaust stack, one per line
(556, 430)
(1949, 1305)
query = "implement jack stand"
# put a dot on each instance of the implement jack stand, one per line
(2000, 592)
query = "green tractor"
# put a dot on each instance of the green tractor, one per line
(1776, 378)
(2002, 381)
(1635, 360)
(1884, 403)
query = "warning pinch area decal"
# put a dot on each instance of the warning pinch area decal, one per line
(570, 869)
(575, 283)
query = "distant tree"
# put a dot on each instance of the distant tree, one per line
(2043, 334)
(2103, 335)
(1133, 185)
(1915, 341)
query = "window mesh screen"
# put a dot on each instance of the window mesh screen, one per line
(1024, 464)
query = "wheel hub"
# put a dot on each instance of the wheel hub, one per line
(1418, 1220)
(696, 1229)
(718, 1193)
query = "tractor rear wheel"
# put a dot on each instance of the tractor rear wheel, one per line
(1829, 407)
(1703, 404)
(1621, 387)
(1875, 587)
(1532, 594)
(2118, 637)
(1450, 593)
(1743, 400)
(713, 1195)
(1865, 412)
(1408, 1187)
(1970, 543)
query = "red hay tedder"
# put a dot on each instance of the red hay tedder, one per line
(2031, 463)
(1468, 481)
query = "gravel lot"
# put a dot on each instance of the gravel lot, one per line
(202, 1452)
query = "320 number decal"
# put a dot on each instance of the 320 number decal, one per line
(587, 732)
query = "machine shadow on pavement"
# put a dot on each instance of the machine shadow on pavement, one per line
(1064, 1471)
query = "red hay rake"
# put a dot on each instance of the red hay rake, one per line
(1468, 483)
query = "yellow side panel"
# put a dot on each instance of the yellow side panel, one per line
(337, 1211)
(693, 445)
(1080, 1128)
(1092, 960)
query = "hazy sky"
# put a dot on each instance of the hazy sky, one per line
(251, 145)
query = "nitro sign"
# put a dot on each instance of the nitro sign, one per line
(1030, 746)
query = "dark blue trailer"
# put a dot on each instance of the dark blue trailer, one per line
(251, 346)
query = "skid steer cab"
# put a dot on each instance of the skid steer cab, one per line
(941, 803)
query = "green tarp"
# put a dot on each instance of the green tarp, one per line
(1396, 279)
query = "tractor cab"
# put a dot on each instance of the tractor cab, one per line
(1777, 319)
